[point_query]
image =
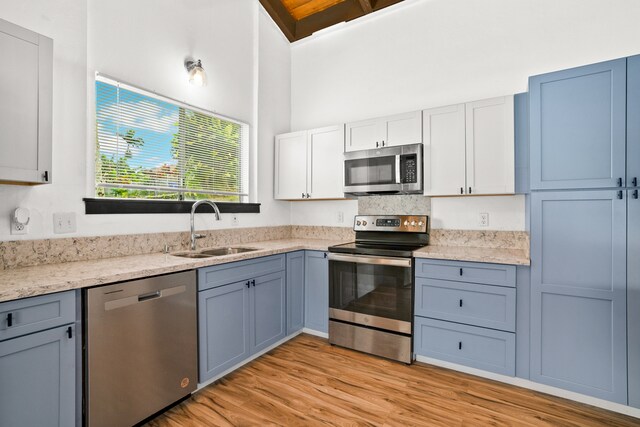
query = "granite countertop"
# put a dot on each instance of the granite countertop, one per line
(463, 253)
(44, 279)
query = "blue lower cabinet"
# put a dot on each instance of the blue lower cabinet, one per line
(479, 348)
(224, 333)
(316, 307)
(579, 292)
(38, 379)
(295, 292)
(633, 296)
(268, 314)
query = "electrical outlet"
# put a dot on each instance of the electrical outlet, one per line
(64, 222)
(18, 228)
(19, 221)
(483, 220)
(235, 221)
(340, 217)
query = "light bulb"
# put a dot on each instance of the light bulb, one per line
(197, 75)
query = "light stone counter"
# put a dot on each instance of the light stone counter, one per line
(512, 256)
(49, 278)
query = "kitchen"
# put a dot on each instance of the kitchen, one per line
(449, 73)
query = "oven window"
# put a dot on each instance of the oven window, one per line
(376, 171)
(375, 290)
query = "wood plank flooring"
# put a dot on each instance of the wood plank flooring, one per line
(307, 382)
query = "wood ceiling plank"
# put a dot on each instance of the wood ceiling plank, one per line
(345, 11)
(282, 18)
(300, 9)
(366, 6)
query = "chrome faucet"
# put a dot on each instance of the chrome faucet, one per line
(195, 236)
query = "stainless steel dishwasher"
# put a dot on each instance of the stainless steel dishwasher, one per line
(141, 348)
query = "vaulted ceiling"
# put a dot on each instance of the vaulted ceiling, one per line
(300, 18)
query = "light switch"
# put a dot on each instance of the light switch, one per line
(64, 222)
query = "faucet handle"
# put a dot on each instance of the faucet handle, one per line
(199, 236)
(167, 248)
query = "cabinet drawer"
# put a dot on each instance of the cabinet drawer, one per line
(223, 274)
(480, 348)
(36, 314)
(470, 303)
(475, 272)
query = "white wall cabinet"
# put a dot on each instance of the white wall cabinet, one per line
(309, 164)
(400, 129)
(26, 80)
(469, 148)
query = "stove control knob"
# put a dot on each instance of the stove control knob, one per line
(358, 223)
(406, 223)
(413, 223)
(420, 223)
(364, 222)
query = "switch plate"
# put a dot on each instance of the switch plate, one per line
(235, 221)
(340, 217)
(483, 220)
(64, 222)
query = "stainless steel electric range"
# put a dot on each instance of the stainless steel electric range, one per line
(371, 285)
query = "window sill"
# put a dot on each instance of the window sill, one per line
(94, 206)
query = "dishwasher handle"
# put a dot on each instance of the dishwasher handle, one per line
(136, 299)
(151, 295)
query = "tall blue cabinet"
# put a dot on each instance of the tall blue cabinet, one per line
(584, 156)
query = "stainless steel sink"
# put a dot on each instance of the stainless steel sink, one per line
(191, 255)
(226, 251)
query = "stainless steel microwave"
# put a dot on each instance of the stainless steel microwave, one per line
(389, 170)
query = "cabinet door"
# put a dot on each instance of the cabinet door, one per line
(401, 129)
(578, 292)
(26, 73)
(577, 121)
(363, 135)
(268, 316)
(633, 121)
(223, 323)
(490, 146)
(444, 151)
(316, 309)
(37, 379)
(633, 296)
(326, 164)
(295, 292)
(291, 166)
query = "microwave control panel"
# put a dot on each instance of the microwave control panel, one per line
(409, 169)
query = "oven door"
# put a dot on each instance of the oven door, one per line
(371, 291)
(366, 172)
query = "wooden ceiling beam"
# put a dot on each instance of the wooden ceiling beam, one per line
(366, 6)
(281, 16)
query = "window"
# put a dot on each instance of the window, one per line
(151, 147)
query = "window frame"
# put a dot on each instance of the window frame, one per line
(117, 205)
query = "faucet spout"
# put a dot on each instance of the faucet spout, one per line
(195, 236)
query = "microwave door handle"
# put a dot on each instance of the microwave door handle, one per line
(398, 180)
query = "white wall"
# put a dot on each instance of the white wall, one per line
(426, 53)
(144, 43)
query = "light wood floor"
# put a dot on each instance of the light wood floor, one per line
(307, 382)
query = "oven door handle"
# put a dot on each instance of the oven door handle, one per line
(373, 260)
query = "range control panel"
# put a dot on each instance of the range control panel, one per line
(402, 223)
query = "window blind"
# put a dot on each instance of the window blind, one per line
(152, 147)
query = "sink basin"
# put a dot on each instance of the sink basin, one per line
(191, 255)
(226, 251)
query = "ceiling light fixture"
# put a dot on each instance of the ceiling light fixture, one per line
(197, 76)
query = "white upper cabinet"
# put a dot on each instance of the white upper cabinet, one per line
(469, 148)
(444, 151)
(26, 73)
(309, 164)
(490, 146)
(400, 129)
(291, 165)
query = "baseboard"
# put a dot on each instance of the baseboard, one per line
(244, 362)
(521, 382)
(316, 333)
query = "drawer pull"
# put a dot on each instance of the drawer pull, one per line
(460, 302)
(459, 345)
(9, 320)
(248, 283)
(70, 332)
(253, 282)
(461, 271)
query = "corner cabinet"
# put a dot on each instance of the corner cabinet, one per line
(26, 82)
(469, 148)
(577, 121)
(390, 131)
(308, 164)
(38, 361)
